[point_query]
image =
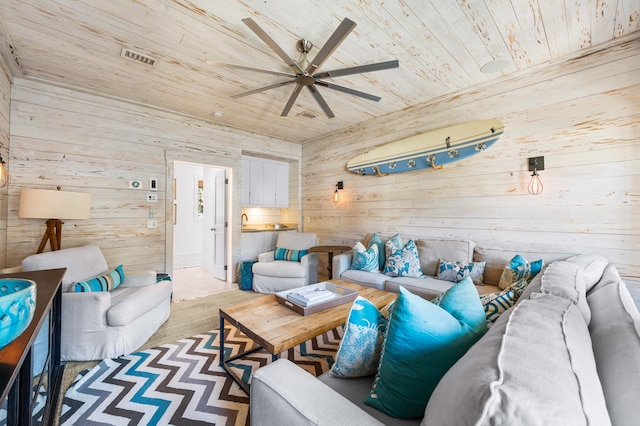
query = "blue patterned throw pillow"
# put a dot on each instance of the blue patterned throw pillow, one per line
(456, 271)
(107, 282)
(519, 269)
(287, 254)
(376, 240)
(495, 304)
(392, 245)
(422, 342)
(363, 259)
(359, 351)
(404, 262)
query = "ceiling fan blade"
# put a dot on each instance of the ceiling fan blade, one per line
(291, 100)
(272, 44)
(262, 89)
(243, 67)
(348, 90)
(359, 69)
(321, 102)
(338, 36)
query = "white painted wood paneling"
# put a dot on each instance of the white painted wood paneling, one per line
(582, 115)
(5, 105)
(93, 144)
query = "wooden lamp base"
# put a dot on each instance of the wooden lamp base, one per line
(53, 235)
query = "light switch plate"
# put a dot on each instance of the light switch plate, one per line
(153, 184)
(152, 198)
(152, 223)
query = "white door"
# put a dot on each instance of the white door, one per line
(214, 223)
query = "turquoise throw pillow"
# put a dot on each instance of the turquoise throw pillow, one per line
(455, 271)
(286, 254)
(423, 340)
(363, 259)
(107, 282)
(404, 262)
(359, 351)
(377, 241)
(519, 269)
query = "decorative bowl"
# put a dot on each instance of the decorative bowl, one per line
(17, 306)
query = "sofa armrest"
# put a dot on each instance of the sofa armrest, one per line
(310, 261)
(341, 262)
(82, 312)
(266, 257)
(284, 394)
(139, 279)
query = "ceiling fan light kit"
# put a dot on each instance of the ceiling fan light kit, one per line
(305, 72)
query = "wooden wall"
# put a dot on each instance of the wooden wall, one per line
(582, 115)
(5, 113)
(87, 143)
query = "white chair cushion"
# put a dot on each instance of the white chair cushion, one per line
(281, 268)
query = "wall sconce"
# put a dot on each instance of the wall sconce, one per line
(535, 186)
(336, 196)
(5, 178)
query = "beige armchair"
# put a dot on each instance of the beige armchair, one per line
(272, 276)
(104, 324)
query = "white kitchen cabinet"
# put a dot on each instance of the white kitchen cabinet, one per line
(265, 183)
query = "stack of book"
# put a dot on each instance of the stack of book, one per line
(310, 296)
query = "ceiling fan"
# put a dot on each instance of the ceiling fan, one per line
(305, 73)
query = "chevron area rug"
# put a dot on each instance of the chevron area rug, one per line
(181, 383)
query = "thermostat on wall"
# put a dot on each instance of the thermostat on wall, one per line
(135, 184)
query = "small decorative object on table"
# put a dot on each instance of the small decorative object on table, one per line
(17, 305)
(314, 298)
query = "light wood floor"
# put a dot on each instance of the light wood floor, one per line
(190, 283)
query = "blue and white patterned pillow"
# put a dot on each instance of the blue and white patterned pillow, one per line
(392, 245)
(519, 269)
(404, 262)
(455, 271)
(107, 282)
(497, 303)
(287, 254)
(375, 239)
(359, 351)
(363, 259)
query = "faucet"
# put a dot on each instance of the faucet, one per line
(244, 218)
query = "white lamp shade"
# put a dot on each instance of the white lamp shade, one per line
(51, 204)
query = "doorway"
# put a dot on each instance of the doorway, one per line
(199, 224)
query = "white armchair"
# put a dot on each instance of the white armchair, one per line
(105, 324)
(272, 276)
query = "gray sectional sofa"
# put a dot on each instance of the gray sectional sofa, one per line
(430, 251)
(567, 353)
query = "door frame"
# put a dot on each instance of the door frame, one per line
(206, 160)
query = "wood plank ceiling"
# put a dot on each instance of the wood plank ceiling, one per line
(441, 46)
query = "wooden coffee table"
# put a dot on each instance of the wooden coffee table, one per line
(276, 328)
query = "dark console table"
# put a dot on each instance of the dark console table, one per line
(21, 386)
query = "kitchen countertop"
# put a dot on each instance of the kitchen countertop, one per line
(269, 228)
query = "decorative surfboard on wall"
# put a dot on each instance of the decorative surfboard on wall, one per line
(431, 149)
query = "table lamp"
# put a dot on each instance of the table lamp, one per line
(54, 206)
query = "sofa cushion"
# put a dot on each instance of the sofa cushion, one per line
(593, 265)
(518, 269)
(130, 303)
(81, 263)
(359, 351)
(497, 258)
(427, 287)
(374, 279)
(615, 334)
(535, 366)
(431, 250)
(364, 259)
(280, 268)
(106, 282)
(404, 262)
(455, 271)
(422, 342)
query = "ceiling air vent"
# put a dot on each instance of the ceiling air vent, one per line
(306, 114)
(138, 57)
